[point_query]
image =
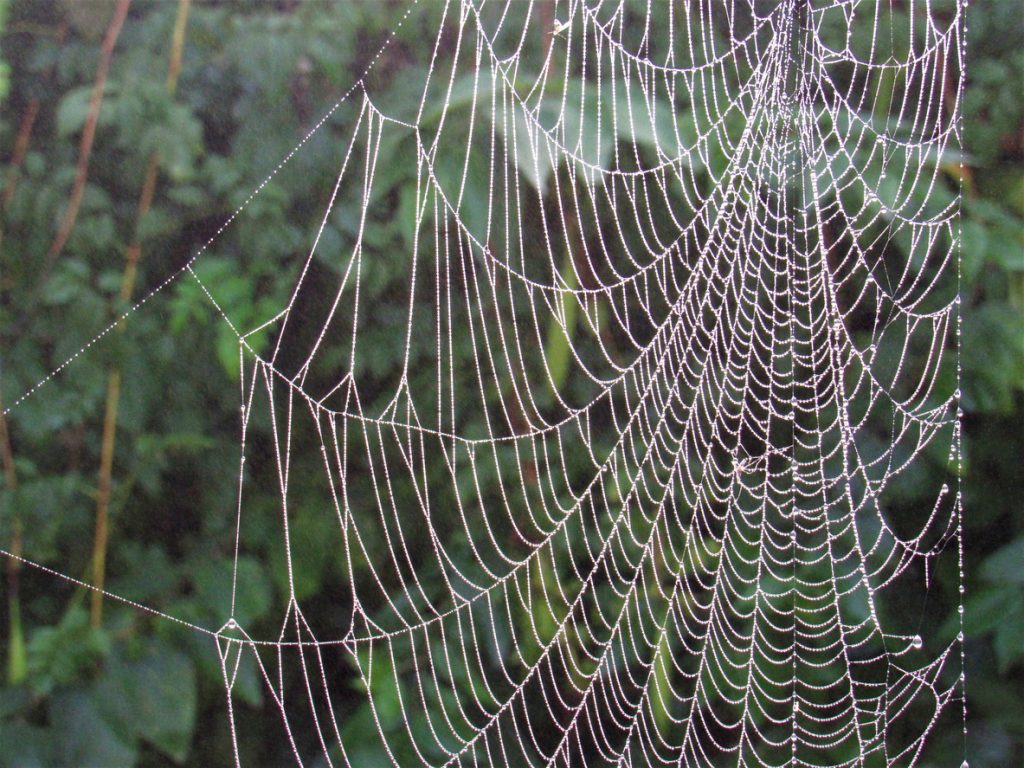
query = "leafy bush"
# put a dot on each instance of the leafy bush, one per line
(135, 689)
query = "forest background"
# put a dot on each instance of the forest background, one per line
(173, 150)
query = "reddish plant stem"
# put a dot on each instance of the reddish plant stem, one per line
(22, 140)
(16, 644)
(28, 121)
(88, 134)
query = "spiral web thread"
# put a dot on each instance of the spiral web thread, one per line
(709, 297)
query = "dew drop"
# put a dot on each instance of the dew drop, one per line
(957, 393)
(917, 642)
(965, 764)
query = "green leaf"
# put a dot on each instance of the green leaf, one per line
(974, 239)
(579, 122)
(158, 222)
(463, 180)
(213, 580)
(82, 735)
(73, 110)
(17, 656)
(557, 349)
(67, 283)
(152, 698)
(661, 683)
(531, 150)
(14, 698)
(25, 746)
(1007, 564)
(1009, 639)
(653, 122)
(227, 350)
(187, 195)
(993, 356)
(1005, 185)
(145, 572)
(63, 654)
(366, 751)
(999, 611)
(308, 535)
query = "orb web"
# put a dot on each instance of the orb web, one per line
(679, 307)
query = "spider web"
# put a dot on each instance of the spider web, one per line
(624, 501)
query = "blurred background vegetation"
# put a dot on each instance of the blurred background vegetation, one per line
(192, 116)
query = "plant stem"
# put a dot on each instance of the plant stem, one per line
(88, 134)
(132, 257)
(17, 662)
(21, 142)
(17, 666)
(28, 120)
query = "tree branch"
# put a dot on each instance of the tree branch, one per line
(88, 134)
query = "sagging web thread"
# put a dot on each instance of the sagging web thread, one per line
(708, 299)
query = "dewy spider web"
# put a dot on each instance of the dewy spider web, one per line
(708, 289)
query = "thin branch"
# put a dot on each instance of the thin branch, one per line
(22, 140)
(28, 121)
(132, 257)
(16, 660)
(88, 133)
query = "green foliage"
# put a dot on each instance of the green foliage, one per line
(5, 68)
(255, 79)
